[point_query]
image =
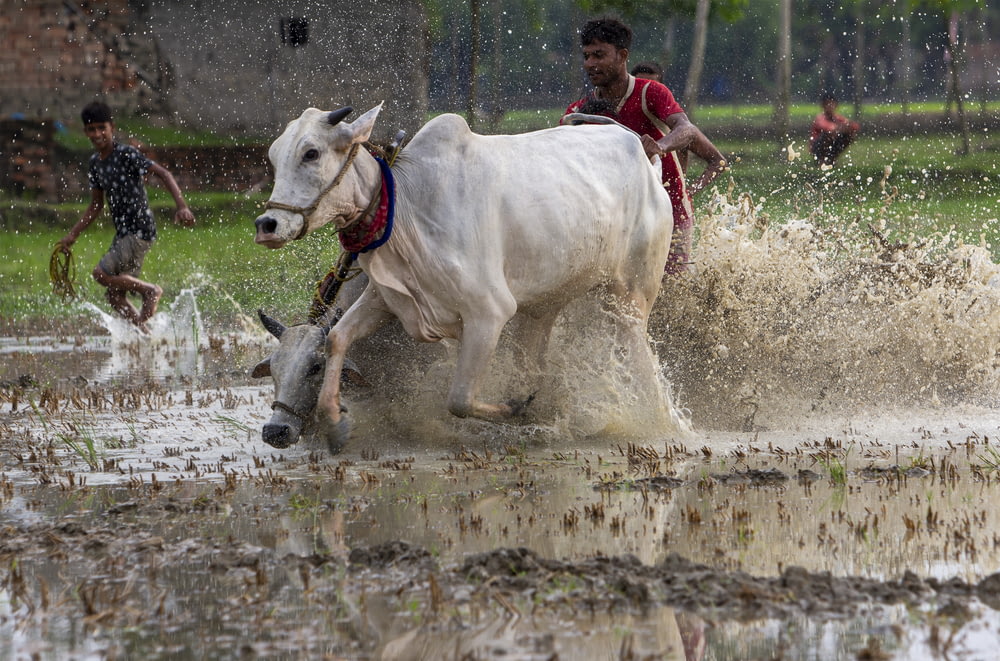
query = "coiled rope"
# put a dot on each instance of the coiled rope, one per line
(62, 273)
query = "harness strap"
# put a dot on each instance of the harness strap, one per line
(280, 405)
(381, 222)
(328, 288)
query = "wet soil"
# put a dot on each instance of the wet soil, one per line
(141, 515)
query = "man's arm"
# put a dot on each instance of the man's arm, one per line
(92, 212)
(715, 162)
(685, 135)
(183, 214)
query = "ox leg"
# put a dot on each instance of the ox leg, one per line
(531, 337)
(358, 322)
(479, 342)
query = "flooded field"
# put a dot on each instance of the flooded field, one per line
(831, 499)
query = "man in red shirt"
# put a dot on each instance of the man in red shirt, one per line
(648, 108)
(831, 133)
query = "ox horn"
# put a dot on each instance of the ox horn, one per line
(273, 326)
(336, 116)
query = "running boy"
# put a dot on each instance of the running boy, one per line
(119, 171)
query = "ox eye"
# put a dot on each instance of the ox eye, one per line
(314, 368)
(310, 155)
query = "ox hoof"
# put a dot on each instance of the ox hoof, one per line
(336, 432)
(518, 407)
(278, 435)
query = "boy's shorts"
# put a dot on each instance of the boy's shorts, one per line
(125, 255)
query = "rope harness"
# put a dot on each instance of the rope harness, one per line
(328, 288)
(62, 273)
(278, 404)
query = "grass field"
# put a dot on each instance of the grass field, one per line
(930, 189)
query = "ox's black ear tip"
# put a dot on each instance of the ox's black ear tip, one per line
(337, 116)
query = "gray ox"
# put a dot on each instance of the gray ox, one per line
(298, 363)
(297, 368)
(485, 227)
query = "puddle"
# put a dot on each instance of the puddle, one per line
(190, 534)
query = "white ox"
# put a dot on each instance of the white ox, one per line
(484, 227)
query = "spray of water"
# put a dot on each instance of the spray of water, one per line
(779, 322)
(171, 348)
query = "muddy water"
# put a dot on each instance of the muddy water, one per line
(832, 500)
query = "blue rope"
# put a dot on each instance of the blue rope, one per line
(390, 185)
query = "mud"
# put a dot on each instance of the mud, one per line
(834, 498)
(194, 539)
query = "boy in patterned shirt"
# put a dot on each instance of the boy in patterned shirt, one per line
(119, 172)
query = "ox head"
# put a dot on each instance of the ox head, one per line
(297, 367)
(315, 182)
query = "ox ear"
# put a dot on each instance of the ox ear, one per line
(262, 369)
(337, 116)
(273, 326)
(362, 126)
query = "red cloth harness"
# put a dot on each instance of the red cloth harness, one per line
(360, 235)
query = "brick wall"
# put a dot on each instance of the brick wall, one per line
(54, 45)
(236, 169)
(26, 157)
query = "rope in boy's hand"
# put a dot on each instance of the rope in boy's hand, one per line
(62, 273)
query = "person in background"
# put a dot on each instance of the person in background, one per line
(648, 108)
(831, 133)
(119, 172)
(648, 70)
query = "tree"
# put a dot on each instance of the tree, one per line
(906, 55)
(949, 12)
(697, 56)
(476, 44)
(858, 70)
(783, 99)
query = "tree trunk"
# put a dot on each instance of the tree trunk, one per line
(668, 41)
(476, 38)
(859, 61)
(497, 100)
(697, 56)
(906, 57)
(783, 99)
(954, 66)
(453, 48)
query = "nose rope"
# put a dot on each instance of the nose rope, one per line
(307, 211)
(278, 404)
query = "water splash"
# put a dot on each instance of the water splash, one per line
(784, 321)
(171, 349)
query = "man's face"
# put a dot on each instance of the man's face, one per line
(829, 106)
(603, 63)
(100, 134)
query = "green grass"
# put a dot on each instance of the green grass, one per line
(152, 135)
(218, 256)
(933, 190)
